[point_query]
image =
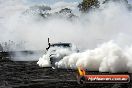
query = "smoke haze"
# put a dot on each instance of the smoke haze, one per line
(91, 32)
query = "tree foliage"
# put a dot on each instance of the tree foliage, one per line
(86, 5)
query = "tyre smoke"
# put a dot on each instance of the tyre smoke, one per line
(91, 32)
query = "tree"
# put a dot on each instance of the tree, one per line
(86, 5)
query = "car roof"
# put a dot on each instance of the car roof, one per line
(61, 45)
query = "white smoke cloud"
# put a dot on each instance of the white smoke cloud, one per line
(57, 52)
(108, 57)
(86, 31)
(110, 22)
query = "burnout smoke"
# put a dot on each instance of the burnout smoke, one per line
(108, 57)
(57, 52)
(112, 21)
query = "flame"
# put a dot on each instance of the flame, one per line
(81, 71)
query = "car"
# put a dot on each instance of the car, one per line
(56, 51)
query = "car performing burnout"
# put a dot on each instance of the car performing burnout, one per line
(55, 52)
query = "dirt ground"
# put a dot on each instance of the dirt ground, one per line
(30, 75)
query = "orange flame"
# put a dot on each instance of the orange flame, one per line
(81, 71)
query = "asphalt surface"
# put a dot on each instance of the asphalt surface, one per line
(30, 75)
